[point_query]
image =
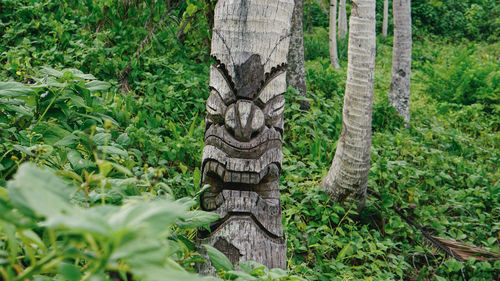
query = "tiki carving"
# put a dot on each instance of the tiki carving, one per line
(244, 129)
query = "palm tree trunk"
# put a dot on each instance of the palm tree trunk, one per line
(399, 94)
(334, 58)
(342, 20)
(348, 175)
(244, 128)
(296, 73)
(386, 18)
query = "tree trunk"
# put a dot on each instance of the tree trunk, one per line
(309, 19)
(399, 94)
(334, 58)
(386, 18)
(342, 20)
(296, 74)
(244, 130)
(348, 175)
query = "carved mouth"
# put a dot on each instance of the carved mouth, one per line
(266, 215)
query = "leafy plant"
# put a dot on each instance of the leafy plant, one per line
(50, 233)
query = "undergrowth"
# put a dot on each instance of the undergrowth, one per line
(97, 183)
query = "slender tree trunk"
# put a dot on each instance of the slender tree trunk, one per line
(399, 94)
(342, 20)
(296, 74)
(386, 18)
(309, 19)
(244, 128)
(348, 175)
(334, 58)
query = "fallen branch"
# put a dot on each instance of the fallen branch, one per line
(457, 250)
(123, 76)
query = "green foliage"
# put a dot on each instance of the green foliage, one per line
(316, 13)
(473, 19)
(103, 195)
(466, 76)
(50, 231)
(316, 45)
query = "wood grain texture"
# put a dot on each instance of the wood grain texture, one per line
(244, 130)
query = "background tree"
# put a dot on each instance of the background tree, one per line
(348, 175)
(244, 126)
(342, 20)
(334, 58)
(386, 18)
(399, 94)
(296, 74)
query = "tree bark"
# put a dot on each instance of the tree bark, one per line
(386, 18)
(342, 20)
(348, 175)
(334, 58)
(244, 129)
(399, 94)
(296, 74)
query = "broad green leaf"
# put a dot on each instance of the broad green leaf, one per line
(77, 162)
(50, 71)
(69, 271)
(122, 169)
(82, 221)
(97, 85)
(112, 150)
(40, 191)
(33, 237)
(123, 139)
(77, 100)
(101, 138)
(195, 219)
(346, 251)
(155, 217)
(67, 140)
(241, 276)
(158, 273)
(14, 89)
(79, 74)
(218, 259)
(19, 109)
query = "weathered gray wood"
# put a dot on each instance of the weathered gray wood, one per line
(244, 129)
(399, 94)
(347, 178)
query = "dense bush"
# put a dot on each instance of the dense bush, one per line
(472, 19)
(465, 76)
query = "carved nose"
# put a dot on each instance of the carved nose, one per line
(244, 119)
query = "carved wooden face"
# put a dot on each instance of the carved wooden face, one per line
(244, 127)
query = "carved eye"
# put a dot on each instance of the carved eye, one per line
(273, 88)
(221, 85)
(215, 108)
